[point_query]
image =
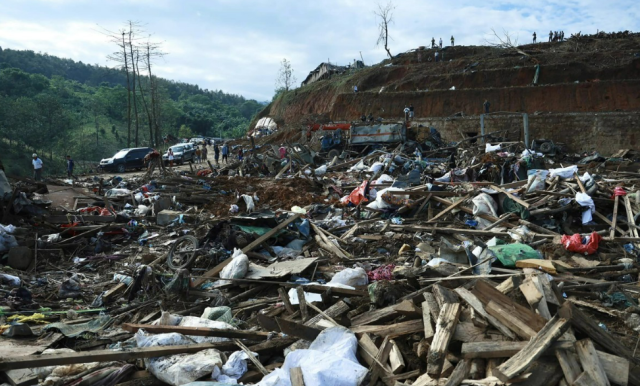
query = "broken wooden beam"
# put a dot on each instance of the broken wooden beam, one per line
(533, 350)
(197, 331)
(445, 327)
(33, 361)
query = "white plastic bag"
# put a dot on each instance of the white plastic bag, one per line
(237, 268)
(330, 360)
(358, 167)
(489, 148)
(563, 172)
(194, 321)
(236, 365)
(376, 167)
(379, 202)
(484, 204)
(585, 200)
(321, 170)
(180, 368)
(248, 200)
(351, 277)
(536, 178)
(167, 319)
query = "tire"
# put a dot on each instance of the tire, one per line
(332, 154)
(121, 168)
(183, 244)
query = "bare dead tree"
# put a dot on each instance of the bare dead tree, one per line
(385, 14)
(144, 100)
(122, 58)
(506, 41)
(152, 51)
(133, 28)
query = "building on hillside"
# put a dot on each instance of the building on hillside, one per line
(323, 71)
(327, 70)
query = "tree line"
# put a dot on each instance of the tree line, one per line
(59, 106)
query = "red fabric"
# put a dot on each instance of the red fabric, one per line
(357, 196)
(71, 233)
(95, 209)
(574, 243)
(384, 272)
(203, 173)
(619, 191)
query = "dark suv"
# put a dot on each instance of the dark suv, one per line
(126, 159)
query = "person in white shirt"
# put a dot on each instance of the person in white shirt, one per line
(37, 167)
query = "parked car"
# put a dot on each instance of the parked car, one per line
(197, 140)
(126, 159)
(181, 153)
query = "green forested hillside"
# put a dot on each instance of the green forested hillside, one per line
(57, 106)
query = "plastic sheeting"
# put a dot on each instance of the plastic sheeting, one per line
(351, 277)
(586, 201)
(179, 369)
(484, 204)
(536, 178)
(330, 360)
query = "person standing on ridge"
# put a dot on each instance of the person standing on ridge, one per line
(37, 167)
(433, 42)
(440, 42)
(534, 37)
(550, 36)
(452, 41)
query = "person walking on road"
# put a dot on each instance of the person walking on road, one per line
(70, 166)
(198, 154)
(170, 157)
(225, 153)
(216, 153)
(37, 167)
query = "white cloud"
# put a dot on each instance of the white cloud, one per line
(237, 45)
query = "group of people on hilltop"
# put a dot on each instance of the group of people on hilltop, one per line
(433, 42)
(554, 36)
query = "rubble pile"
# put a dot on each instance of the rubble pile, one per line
(420, 264)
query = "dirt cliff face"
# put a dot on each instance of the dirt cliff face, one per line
(580, 75)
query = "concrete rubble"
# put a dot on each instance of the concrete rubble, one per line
(480, 262)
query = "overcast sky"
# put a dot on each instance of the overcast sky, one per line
(237, 46)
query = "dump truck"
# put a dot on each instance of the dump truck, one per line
(350, 136)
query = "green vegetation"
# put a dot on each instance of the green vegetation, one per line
(56, 106)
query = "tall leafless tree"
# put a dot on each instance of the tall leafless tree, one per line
(385, 16)
(122, 58)
(152, 51)
(133, 29)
